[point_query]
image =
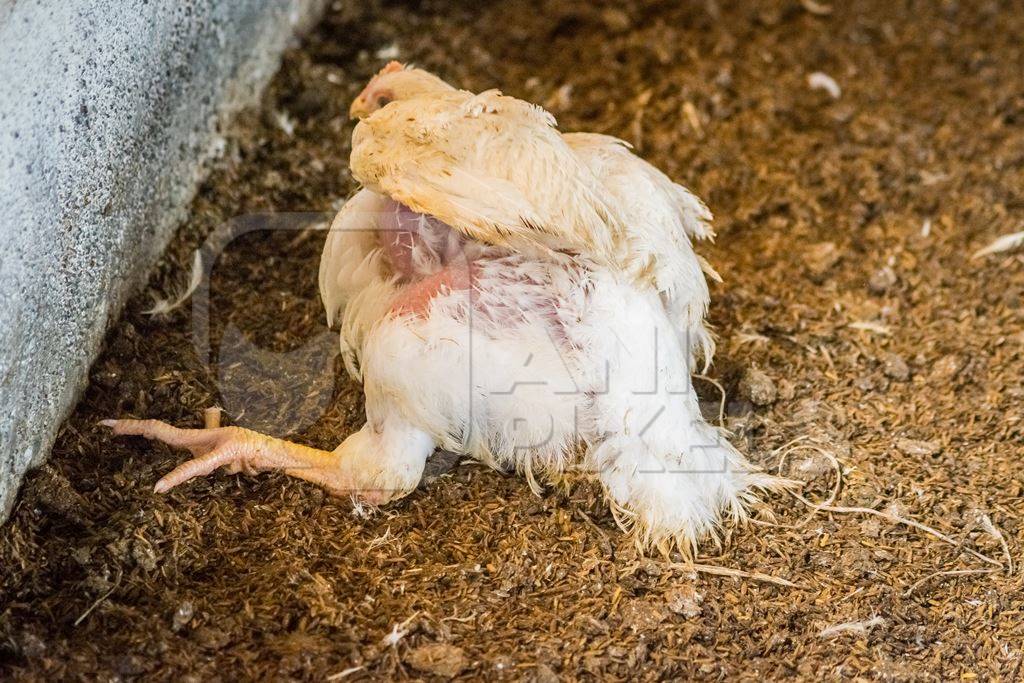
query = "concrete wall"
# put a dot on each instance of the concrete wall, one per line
(108, 111)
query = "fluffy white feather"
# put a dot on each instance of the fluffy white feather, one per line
(541, 368)
(652, 219)
(526, 298)
(164, 306)
(538, 362)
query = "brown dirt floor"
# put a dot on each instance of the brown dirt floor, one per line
(830, 214)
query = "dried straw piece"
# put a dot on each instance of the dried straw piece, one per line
(86, 613)
(721, 400)
(715, 570)
(953, 572)
(345, 673)
(827, 506)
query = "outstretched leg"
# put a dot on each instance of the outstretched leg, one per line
(375, 466)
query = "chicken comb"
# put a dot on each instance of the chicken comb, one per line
(391, 67)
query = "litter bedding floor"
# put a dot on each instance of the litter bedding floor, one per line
(883, 365)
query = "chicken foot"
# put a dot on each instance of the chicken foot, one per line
(244, 450)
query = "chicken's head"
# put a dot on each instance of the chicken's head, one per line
(395, 82)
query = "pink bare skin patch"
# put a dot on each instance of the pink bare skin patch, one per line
(416, 297)
(432, 259)
(425, 253)
(417, 245)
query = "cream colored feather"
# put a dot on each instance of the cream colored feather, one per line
(660, 218)
(491, 166)
(531, 300)
(506, 165)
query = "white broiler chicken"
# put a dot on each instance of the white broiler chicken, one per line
(656, 216)
(506, 292)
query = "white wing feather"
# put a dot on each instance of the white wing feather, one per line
(355, 284)
(496, 169)
(660, 218)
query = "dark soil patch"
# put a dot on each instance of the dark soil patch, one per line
(830, 213)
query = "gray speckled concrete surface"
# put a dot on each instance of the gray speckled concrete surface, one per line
(108, 112)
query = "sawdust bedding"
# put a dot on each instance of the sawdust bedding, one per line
(857, 336)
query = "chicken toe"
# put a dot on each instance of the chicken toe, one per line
(237, 450)
(372, 468)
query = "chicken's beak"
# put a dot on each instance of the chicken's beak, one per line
(359, 110)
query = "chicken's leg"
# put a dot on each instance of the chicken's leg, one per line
(373, 467)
